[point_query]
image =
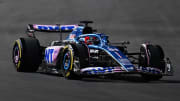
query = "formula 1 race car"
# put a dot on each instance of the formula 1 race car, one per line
(87, 53)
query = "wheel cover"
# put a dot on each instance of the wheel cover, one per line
(16, 54)
(67, 61)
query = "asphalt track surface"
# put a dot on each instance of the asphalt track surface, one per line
(135, 20)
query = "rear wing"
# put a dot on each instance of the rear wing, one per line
(31, 28)
(50, 28)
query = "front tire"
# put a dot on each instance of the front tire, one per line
(152, 56)
(75, 57)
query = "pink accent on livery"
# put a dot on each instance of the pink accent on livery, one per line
(55, 53)
(118, 69)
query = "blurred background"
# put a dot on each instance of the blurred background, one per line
(138, 21)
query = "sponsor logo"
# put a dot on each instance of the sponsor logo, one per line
(54, 27)
(125, 62)
(130, 68)
(67, 27)
(101, 70)
(47, 27)
(94, 51)
(48, 55)
(112, 49)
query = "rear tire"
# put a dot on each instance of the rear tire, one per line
(26, 54)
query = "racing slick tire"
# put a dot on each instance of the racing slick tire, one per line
(26, 54)
(75, 57)
(152, 56)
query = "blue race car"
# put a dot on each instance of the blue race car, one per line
(86, 53)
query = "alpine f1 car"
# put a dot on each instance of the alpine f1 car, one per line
(87, 53)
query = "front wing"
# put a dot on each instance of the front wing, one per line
(119, 70)
(115, 70)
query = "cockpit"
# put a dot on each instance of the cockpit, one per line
(90, 39)
(93, 39)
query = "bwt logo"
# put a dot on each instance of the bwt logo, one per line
(69, 27)
(55, 28)
(48, 55)
(48, 28)
(101, 70)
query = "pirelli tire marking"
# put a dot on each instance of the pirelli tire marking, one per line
(69, 48)
(19, 55)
